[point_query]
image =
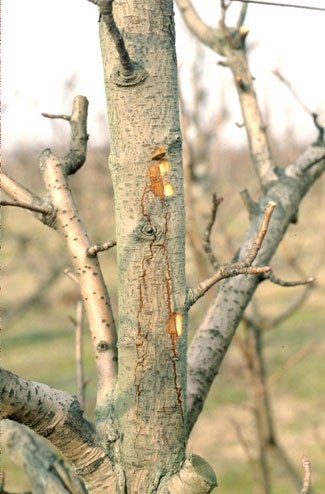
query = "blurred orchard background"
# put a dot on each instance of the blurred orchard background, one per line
(51, 53)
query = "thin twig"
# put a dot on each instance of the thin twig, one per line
(260, 234)
(94, 249)
(306, 488)
(80, 375)
(266, 322)
(278, 281)
(288, 84)
(216, 201)
(321, 130)
(245, 446)
(224, 7)
(192, 227)
(242, 16)
(236, 268)
(52, 115)
(319, 127)
(21, 195)
(72, 276)
(25, 205)
(106, 10)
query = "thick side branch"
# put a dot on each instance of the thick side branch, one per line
(25, 205)
(56, 415)
(213, 338)
(230, 43)
(256, 130)
(46, 472)
(24, 198)
(127, 72)
(92, 286)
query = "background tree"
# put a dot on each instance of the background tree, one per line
(138, 443)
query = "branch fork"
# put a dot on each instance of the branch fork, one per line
(59, 211)
(233, 269)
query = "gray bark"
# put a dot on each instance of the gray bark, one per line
(216, 331)
(139, 441)
(146, 165)
(47, 473)
(140, 438)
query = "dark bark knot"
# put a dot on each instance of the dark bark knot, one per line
(149, 231)
(103, 346)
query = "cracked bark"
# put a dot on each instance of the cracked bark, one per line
(150, 401)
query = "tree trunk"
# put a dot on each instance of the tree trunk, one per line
(146, 165)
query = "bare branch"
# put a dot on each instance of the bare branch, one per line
(321, 138)
(255, 127)
(216, 201)
(266, 322)
(96, 2)
(306, 465)
(224, 7)
(129, 73)
(57, 416)
(320, 141)
(308, 160)
(226, 271)
(192, 227)
(80, 375)
(252, 253)
(26, 199)
(241, 267)
(278, 281)
(94, 249)
(251, 206)
(52, 115)
(242, 16)
(94, 293)
(30, 207)
(288, 84)
(231, 44)
(252, 349)
(46, 472)
(242, 441)
(72, 276)
(92, 286)
(79, 137)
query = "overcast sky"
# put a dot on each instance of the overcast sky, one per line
(50, 52)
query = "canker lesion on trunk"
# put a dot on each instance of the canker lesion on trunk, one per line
(155, 284)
